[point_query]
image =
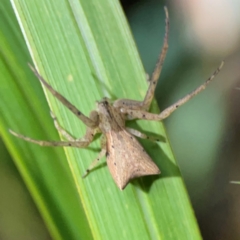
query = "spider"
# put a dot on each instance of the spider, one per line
(126, 158)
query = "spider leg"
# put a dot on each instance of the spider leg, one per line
(87, 121)
(139, 134)
(145, 104)
(79, 143)
(139, 114)
(158, 68)
(102, 153)
(62, 131)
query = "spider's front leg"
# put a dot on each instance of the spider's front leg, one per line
(145, 104)
(91, 122)
(141, 114)
(87, 121)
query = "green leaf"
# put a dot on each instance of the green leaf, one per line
(85, 50)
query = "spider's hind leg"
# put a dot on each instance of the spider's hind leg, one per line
(102, 153)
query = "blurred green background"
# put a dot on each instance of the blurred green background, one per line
(204, 133)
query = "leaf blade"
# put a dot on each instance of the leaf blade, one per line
(114, 60)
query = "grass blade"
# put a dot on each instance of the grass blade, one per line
(85, 50)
